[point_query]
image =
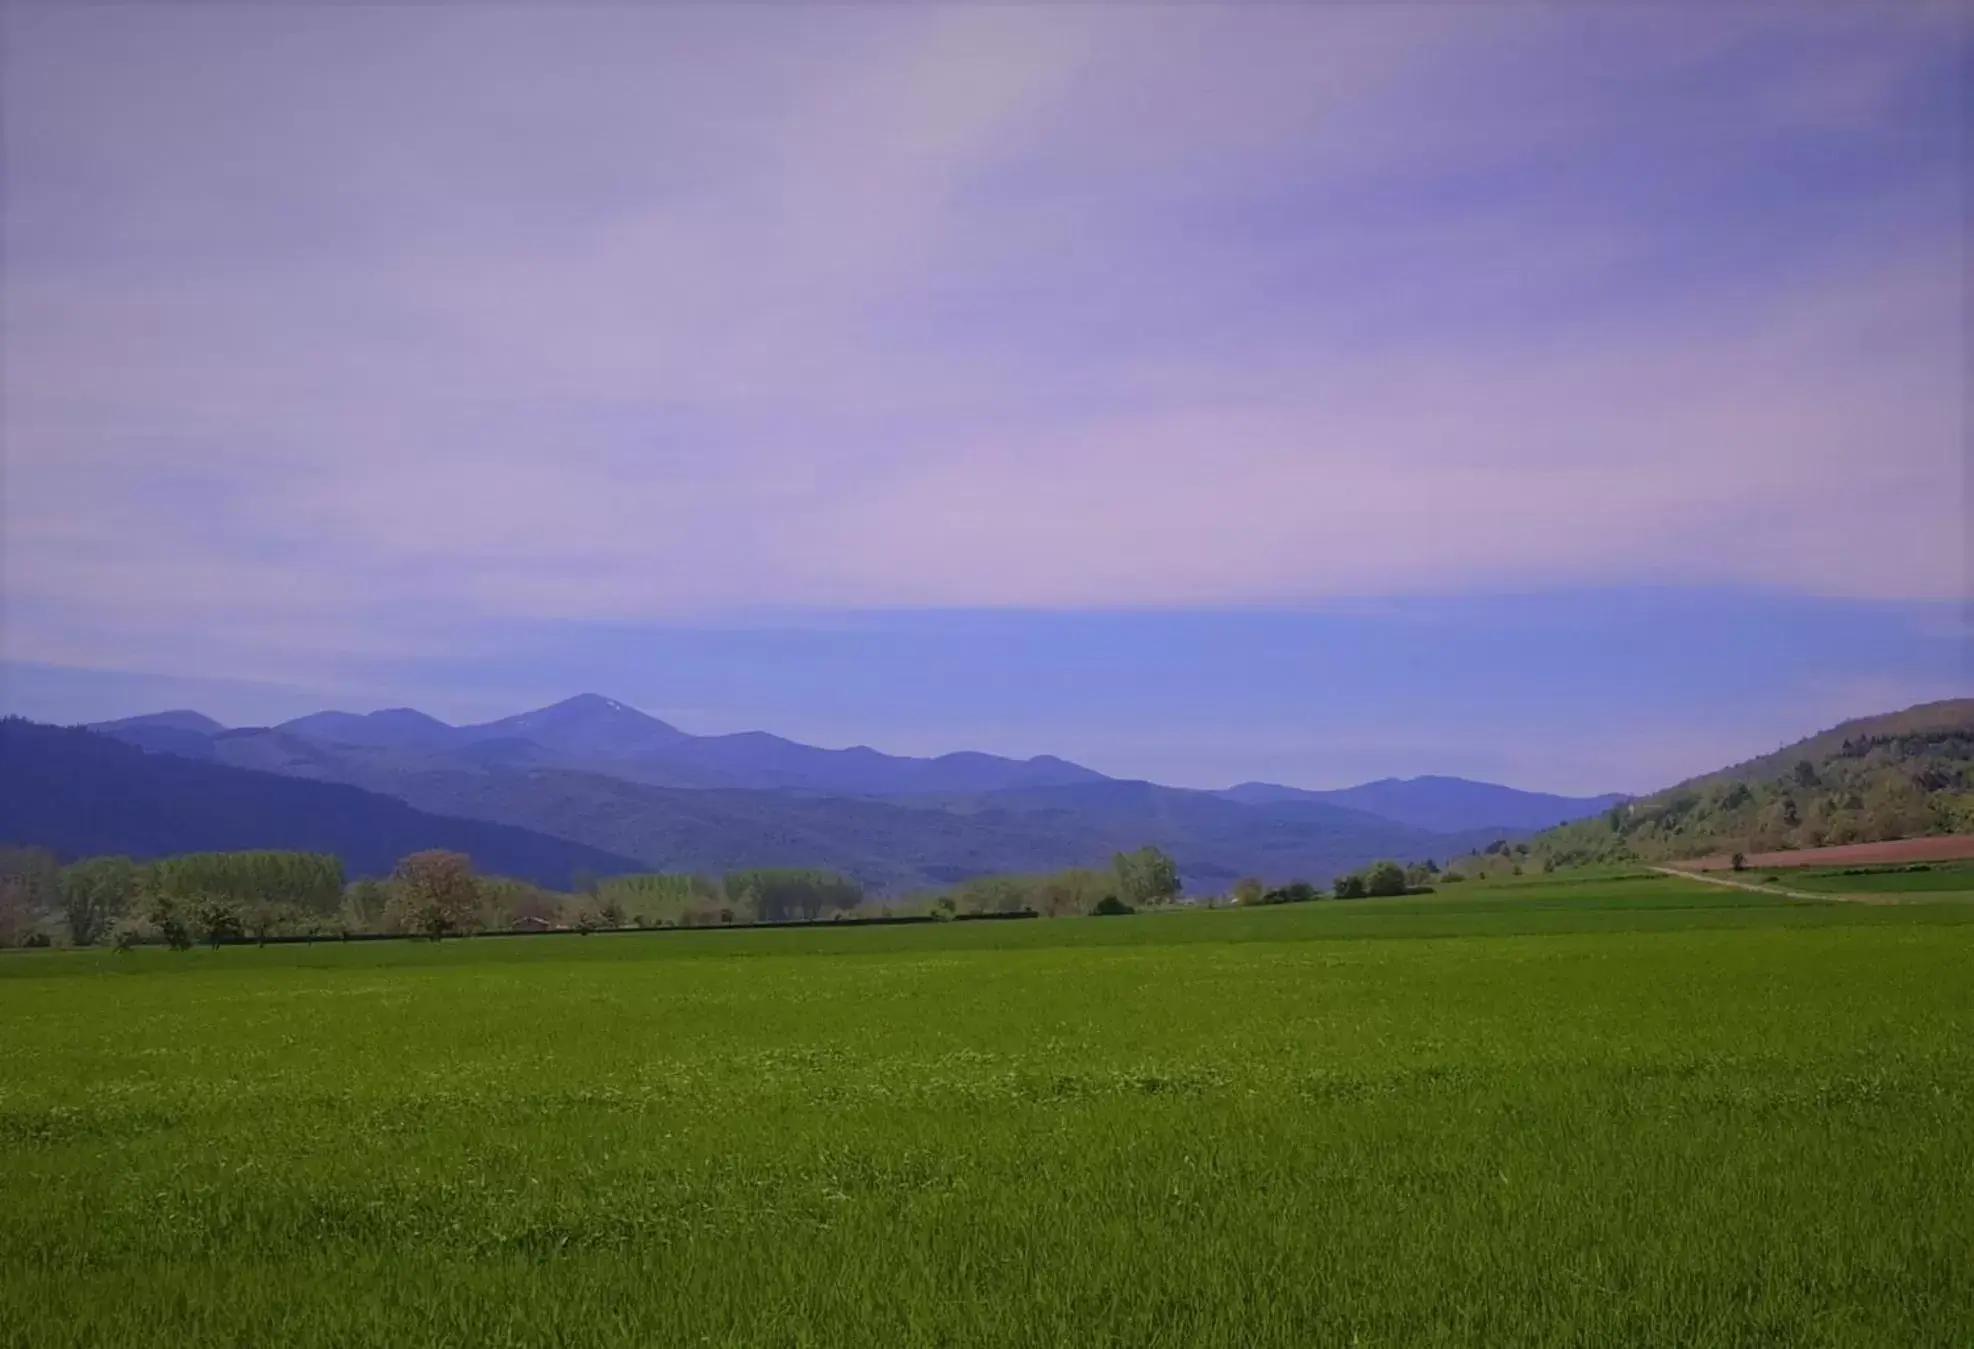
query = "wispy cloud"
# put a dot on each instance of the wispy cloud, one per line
(320, 323)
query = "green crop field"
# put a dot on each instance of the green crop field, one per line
(1558, 1111)
(1939, 878)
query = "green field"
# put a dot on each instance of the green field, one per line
(1559, 1111)
(1939, 878)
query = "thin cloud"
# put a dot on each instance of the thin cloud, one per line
(318, 318)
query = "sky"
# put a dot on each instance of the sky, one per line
(1566, 395)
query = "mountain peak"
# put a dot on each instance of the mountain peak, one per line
(390, 728)
(179, 719)
(587, 724)
(593, 702)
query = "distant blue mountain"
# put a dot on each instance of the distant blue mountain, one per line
(1441, 804)
(598, 772)
(587, 726)
(184, 719)
(78, 793)
(591, 733)
(393, 728)
(595, 734)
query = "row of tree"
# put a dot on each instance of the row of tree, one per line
(1145, 878)
(215, 896)
(220, 897)
(1378, 879)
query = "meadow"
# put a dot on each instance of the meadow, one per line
(1555, 1110)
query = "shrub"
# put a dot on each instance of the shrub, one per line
(1109, 906)
(1295, 892)
(1384, 878)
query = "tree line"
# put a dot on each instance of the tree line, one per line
(216, 898)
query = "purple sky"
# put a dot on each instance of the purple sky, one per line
(346, 345)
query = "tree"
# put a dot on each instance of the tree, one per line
(438, 891)
(215, 918)
(18, 918)
(1739, 861)
(365, 905)
(785, 893)
(262, 918)
(29, 889)
(94, 893)
(163, 912)
(1350, 886)
(1147, 876)
(1385, 878)
(128, 931)
(1248, 890)
(1075, 890)
(994, 894)
(298, 881)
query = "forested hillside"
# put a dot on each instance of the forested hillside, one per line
(1895, 776)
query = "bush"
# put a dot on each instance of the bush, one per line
(1350, 887)
(1109, 906)
(1739, 862)
(1295, 892)
(1385, 878)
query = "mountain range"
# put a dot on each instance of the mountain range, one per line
(597, 773)
(80, 794)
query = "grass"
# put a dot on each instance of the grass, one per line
(1565, 1110)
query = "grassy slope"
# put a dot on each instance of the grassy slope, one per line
(1614, 1110)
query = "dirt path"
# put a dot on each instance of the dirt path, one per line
(1784, 891)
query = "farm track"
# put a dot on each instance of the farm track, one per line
(1753, 887)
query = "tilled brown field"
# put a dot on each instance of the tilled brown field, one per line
(1933, 848)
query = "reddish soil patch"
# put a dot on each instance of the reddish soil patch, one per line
(1934, 848)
